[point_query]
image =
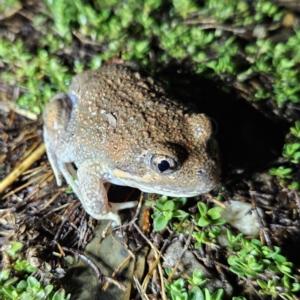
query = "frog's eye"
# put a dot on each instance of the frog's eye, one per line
(163, 164)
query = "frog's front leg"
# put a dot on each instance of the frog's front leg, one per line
(52, 158)
(58, 141)
(93, 194)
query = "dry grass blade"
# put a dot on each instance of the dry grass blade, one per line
(14, 175)
(66, 216)
(140, 289)
(157, 263)
(39, 179)
(117, 270)
(214, 200)
(181, 255)
(22, 112)
(50, 201)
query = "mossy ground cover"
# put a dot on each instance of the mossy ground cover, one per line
(246, 52)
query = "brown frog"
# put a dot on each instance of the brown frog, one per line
(120, 126)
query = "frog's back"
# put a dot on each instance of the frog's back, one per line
(119, 107)
(125, 90)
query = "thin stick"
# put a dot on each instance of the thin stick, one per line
(66, 216)
(181, 255)
(53, 198)
(212, 199)
(140, 289)
(32, 148)
(117, 270)
(58, 208)
(157, 255)
(99, 275)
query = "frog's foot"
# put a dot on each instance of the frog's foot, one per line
(123, 205)
(114, 216)
(113, 213)
(115, 207)
(92, 193)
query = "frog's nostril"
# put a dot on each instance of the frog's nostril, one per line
(201, 172)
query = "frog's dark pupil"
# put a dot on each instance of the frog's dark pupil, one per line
(163, 166)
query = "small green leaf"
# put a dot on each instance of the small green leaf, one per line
(215, 212)
(168, 215)
(15, 247)
(48, 289)
(296, 287)
(10, 281)
(159, 206)
(262, 283)
(22, 285)
(200, 237)
(281, 172)
(197, 279)
(178, 284)
(202, 208)
(10, 291)
(180, 214)
(31, 269)
(285, 269)
(160, 223)
(203, 221)
(196, 294)
(168, 271)
(32, 282)
(219, 222)
(60, 295)
(4, 274)
(169, 205)
(237, 270)
(181, 201)
(163, 198)
(217, 295)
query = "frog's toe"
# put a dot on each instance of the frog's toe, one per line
(111, 215)
(124, 205)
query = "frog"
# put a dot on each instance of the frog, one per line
(117, 124)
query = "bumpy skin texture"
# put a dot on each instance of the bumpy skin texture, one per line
(120, 126)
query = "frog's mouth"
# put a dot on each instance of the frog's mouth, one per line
(160, 186)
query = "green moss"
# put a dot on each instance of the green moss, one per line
(288, 174)
(16, 281)
(208, 34)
